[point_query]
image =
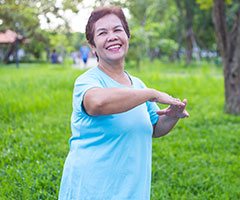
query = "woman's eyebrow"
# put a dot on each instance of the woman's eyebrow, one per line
(105, 29)
(101, 29)
(118, 26)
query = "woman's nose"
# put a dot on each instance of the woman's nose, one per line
(112, 37)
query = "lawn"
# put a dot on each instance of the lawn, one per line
(199, 159)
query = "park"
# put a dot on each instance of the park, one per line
(189, 49)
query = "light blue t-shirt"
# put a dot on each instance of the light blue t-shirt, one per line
(110, 155)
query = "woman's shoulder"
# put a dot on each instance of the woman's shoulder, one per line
(92, 73)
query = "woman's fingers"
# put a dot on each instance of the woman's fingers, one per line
(162, 112)
(164, 98)
(186, 113)
(177, 102)
(185, 101)
(174, 111)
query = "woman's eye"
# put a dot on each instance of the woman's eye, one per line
(102, 33)
(118, 30)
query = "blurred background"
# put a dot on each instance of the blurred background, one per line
(189, 49)
(168, 30)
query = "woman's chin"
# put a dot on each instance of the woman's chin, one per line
(116, 58)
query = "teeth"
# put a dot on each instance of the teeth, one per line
(114, 46)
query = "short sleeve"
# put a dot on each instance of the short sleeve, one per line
(81, 86)
(152, 110)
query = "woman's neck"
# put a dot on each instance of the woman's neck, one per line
(112, 69)
(116, 72)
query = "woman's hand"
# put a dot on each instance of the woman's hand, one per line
(176, 111)
(164, 98)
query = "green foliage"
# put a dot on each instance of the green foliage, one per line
(68, 42)
(168, 46)
(76, 40)
(40, 7)
(138, 45)
(207, 4)
(150, 38)
(204, 30)
(37, 44)
(199, 159)
(23, 18)
(151, 23)
(23, 21)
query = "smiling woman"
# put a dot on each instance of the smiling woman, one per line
(114, 119)
(117, 46)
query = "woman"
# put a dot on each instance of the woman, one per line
(113, 121)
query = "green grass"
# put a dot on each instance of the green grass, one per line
(199, 159)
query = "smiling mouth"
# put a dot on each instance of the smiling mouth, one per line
(114, 47)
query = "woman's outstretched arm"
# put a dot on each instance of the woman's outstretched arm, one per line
(104, 101)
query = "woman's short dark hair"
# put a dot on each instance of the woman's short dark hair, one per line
(101, 12)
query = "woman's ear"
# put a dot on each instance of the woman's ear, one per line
(94, 52)
(93, 48)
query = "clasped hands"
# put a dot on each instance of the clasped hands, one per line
(177, 108)
(178, 111)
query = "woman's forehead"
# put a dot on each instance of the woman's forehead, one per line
(108, 21)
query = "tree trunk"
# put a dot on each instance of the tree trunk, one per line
(10, 50)
(179, 29)
(189, 29)
(189, 46)
(229, 46)
(187, 18)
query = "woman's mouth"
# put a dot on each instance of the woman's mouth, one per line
(114, 48)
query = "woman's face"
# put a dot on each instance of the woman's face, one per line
(110, 38)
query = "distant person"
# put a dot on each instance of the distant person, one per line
(84, 50)
(54, 57)
(114, 118)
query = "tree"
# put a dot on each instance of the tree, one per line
(152, 33)
(227, 28)
(229, 46)
(180, 22)
(187, 9)
(23, 22)
(23, 17)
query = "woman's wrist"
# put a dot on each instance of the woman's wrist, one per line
(152, 94)
(173, 118)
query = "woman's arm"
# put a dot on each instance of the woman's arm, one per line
(104, 101)
(168, 118)
(164, 125)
